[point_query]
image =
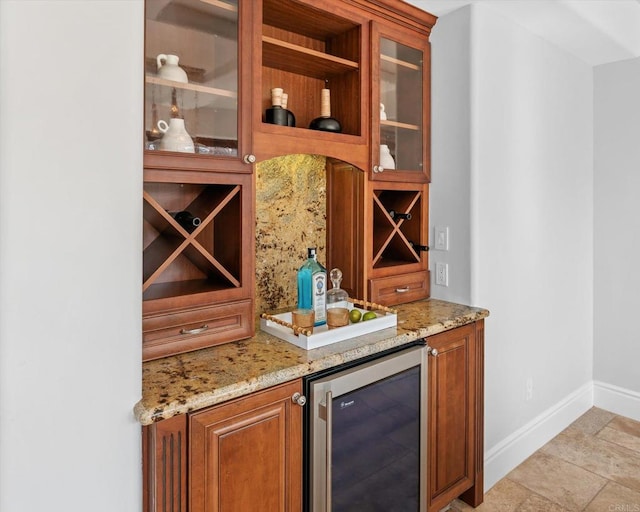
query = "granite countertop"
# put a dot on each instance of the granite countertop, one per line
(187, 382)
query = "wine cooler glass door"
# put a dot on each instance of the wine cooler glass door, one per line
(368, 451)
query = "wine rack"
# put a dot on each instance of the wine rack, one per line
(395, 237)
(177, 262)
(197, 282)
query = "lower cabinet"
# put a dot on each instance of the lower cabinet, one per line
(246, 454)
(242, 455)
(455, 445)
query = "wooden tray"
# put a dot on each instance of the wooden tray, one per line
(322, 335)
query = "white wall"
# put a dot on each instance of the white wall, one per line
(617, 233)
(531, 219)
(70, 245)
(450, 194)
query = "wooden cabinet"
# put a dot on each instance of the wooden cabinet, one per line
(198, 277)
(377, 234)
(377, 224)
(455, 445)
(248, 453)
(249, 450)
(164, 465)
(236, 456)
(400, 88)
(210, 69)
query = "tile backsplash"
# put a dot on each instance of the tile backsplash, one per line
(290, 216)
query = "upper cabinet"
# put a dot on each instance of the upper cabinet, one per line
(303, 48)
(216, 76)
(197, 85)
(401, 94)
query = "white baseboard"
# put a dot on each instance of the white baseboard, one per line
(616, 399)
(506, 455)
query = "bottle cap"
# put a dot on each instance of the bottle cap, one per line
(311, 252)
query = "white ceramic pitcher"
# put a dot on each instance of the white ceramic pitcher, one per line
(168, 68)
(176, 137)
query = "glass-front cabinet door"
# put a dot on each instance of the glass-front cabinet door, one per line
(192, 84)
(400, 127)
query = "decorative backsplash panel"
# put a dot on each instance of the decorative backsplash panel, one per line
(290, 216)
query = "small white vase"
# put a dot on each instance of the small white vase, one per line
(168, 68)
(175, 136)
(386, 160)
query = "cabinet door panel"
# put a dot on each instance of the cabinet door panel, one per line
(248, 452)
(452, 415)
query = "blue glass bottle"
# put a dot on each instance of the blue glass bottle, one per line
(312, 287)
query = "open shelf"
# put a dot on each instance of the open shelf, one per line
(303, 61)
(305, 49)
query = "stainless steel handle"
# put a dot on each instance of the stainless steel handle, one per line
(249, 159)
(378, 168)
(197, 330)
(299, 399)
(402, 290)
(432, 351)
(329, 420)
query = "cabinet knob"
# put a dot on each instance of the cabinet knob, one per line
(249, 159)
(299, 399)
(378, 168)
(432, 351)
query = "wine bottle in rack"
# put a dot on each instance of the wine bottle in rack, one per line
(397, 215)
(325, 122)
(418, 247)
(187, 220)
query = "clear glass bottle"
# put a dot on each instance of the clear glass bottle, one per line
(337, 302)
(312, 287)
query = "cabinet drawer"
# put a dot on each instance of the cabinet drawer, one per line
(185, 330)
(399, 289)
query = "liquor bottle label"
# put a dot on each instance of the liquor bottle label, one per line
(320, 296)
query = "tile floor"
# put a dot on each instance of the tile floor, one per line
(592, 466)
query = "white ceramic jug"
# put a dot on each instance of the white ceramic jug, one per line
(168, 68)
(175, 136)
(386, 160)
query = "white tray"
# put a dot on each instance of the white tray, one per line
(322, 335)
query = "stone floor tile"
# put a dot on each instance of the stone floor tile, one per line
(597, 455)
(620, 438)
(557, 480)
(592, 421)
(615, 498)
(535, 503)
(626, 425)
(505, 496)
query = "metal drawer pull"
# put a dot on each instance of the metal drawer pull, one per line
(197, 330)
(402, 290)
(432, 351)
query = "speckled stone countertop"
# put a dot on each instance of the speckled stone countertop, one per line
(192, 381)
